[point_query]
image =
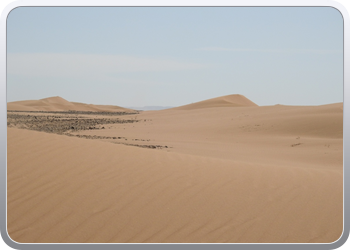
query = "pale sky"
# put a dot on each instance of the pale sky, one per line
(172, 56)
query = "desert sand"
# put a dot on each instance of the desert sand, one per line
(223, 170)
(59, 104)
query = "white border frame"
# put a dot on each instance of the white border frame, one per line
(170, 3)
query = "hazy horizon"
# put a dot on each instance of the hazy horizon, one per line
(161, 107)
(172, 56)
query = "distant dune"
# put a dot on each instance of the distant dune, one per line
(59, 104)
(222, 101)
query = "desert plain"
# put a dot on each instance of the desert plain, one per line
(223, 170)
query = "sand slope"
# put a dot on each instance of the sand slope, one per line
(283, 135)
(59, 104)
(222, 101)
(102, 192)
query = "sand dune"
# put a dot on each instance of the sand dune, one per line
(59, 104)
(102, 192)
(227, 174)
(252, 134)
(222, 101)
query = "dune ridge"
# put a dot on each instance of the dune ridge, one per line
(234, 100)
(59, 104)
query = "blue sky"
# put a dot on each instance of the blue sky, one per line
(171, 56)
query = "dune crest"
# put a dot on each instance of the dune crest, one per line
(235, 100)
(57, 103)
(56, 100)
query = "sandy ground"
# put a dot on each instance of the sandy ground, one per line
(231, 173)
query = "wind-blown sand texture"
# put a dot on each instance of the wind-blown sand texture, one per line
(220, 174)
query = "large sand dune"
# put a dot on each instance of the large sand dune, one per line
(227, 174)
(222, 101)
(59, 104)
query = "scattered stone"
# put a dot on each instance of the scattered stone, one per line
(59, 124)
(62, 122)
